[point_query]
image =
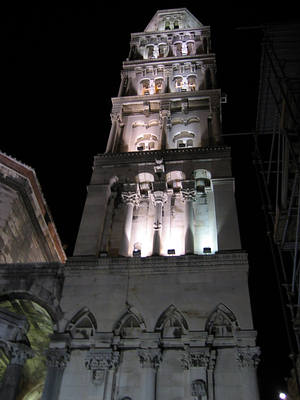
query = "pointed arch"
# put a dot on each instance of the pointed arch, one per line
(130, 324)
(83, 325)
(221, 322)
(171, 323)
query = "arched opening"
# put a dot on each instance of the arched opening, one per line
(221, 322)
(171, 323)
(39, 330)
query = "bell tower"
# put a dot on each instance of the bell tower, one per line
(155, 299)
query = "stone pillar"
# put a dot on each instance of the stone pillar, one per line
(248, 360)
(186, 376)
(188, 194)
(150, 360)
(159, 198)
(56, 361)
(102, 363)
(18, 354)
(111, 138)
(164, 116)
(130, 198)
(215, 107)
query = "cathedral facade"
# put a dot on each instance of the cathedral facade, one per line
(154, 302)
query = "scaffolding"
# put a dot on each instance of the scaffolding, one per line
(277, 164)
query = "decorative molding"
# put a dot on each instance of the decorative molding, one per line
(150, 358)
(57, 358)
(248, 356)
(99, 359)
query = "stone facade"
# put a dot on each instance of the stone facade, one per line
(154, 302)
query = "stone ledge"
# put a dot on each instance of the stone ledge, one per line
(232, 261)
(204, 153)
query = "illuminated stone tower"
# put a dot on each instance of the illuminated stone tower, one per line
(155, 300)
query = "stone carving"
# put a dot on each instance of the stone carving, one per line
(130, 198)
(57, 358)
(248, 356)
(150, 358)
(97, 359)
(18, 353)
(200, 359)
(199, 389)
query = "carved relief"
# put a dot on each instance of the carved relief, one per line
(248, 356)
(150, 358)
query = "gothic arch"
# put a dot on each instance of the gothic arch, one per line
(171, 323)
(130, 323)
(82, 325)
(37, 294)
(221, 322)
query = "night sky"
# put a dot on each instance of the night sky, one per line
(60, 69)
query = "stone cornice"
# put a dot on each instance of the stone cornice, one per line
(203, 153)
(233, 261)
(169, 60)
(201, 30)
(39, 269)
(201, 94)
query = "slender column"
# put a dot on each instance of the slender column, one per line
(130, 199)
(56, 361)
(216, 118)
(102, 364)
(248, 360)
(189, 198)
(186, 376)
(18, 353)
(150, 360)
(164, 116)
(210, 375)
(158, 198)
(111, 138)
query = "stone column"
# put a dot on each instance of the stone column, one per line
(111, 138)
(215, 107)
(188, 194)
(18, 354)
(150, 360)
(130, 198)
(248, 360)
(164, 116)
(186, 366)
(102, 363)
(158, 198)
(56, 361)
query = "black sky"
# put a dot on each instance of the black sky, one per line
(60, 69)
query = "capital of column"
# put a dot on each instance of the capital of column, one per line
(18, 352)
(97, 359)
(188, 194)
(248, 356)
(150, 358)
(159, 197)
(130, 198)
(57, 358)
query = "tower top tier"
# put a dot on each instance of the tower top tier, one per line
(172, 19)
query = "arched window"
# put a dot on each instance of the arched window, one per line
(178, 83)
(159, 82)
(178, 49)
(176, 24)
(222, 322)
(150, 51)
(145, 87)
(191, 83)
(190, 48)
(171, 323)
(146, 142)
(184, 139)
